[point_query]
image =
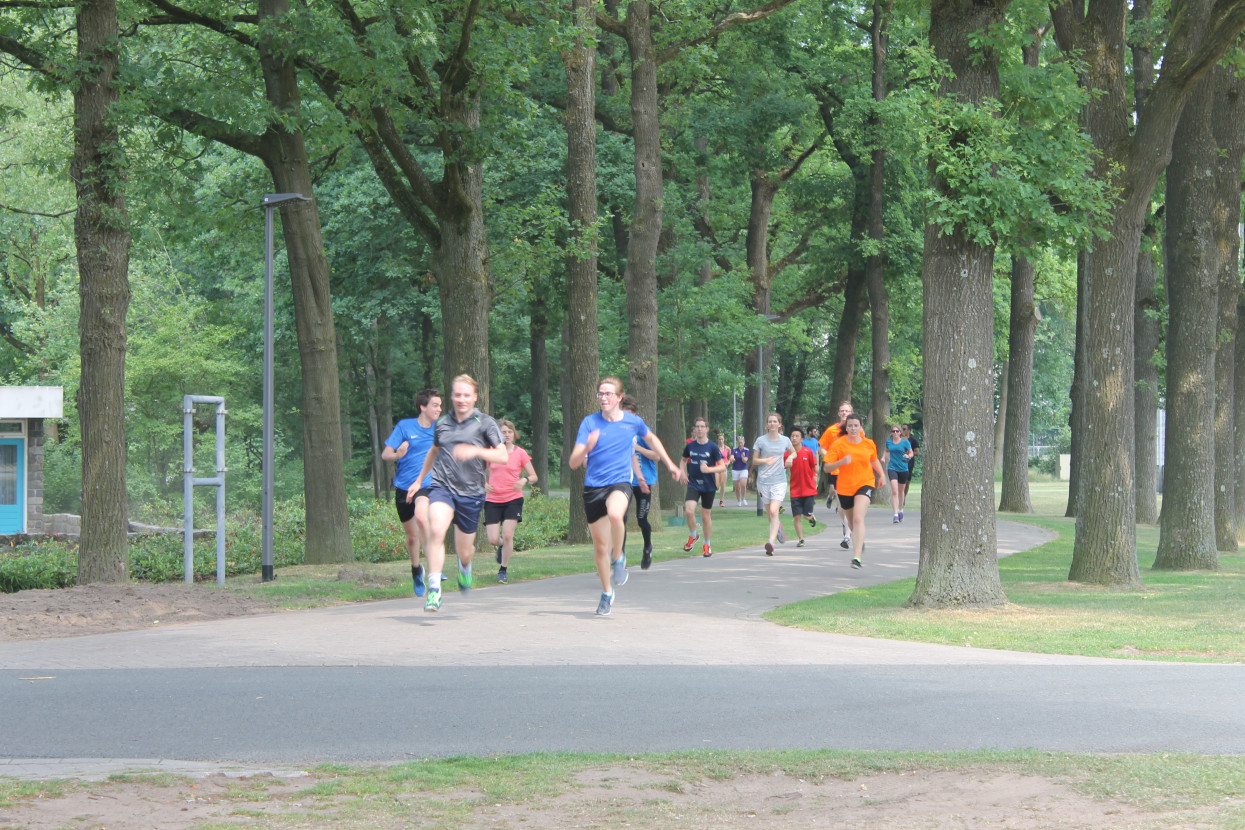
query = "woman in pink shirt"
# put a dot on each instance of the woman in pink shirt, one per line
(503, 500)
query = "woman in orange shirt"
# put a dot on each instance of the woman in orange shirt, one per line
(854, 458)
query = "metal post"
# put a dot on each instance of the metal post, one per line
(189, 482)
(760, 410)
(271, 201)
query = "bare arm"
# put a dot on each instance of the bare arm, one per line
(388, 453)
(428, 459)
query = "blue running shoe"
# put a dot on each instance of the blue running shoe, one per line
(619, 575)
(603, 607)
(433, 603)
(420, 587)
(502, 577)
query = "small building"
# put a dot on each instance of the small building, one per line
(22, 412)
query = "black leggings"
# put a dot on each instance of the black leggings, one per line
(642, 502)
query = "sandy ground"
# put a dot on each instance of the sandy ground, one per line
(600, 797)
(102, 608)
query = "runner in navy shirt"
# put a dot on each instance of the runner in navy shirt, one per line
(702, 461)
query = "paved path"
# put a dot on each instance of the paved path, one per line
(685, 661)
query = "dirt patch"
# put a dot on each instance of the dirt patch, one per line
(102, 608)
(605, 797)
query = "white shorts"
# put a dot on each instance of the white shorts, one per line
(772, 492)
(736, 475)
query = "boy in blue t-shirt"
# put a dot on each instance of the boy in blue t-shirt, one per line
(407, 446)
(702, 461)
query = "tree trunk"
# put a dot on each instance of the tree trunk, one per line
(583, 362)
(460, 267)
(958, 550)
(343, 382)
(672, 431)
(1187, 526)
(1000, 417)
(1020, 342)
(1105, 547)
(640, 274)
(1076, 416)
(1145, 310)
(875, 271)
(1146, 389)
(539, 348)
(855, 305)
(1238, 416)
(285, 156)
(1229, 129)
(102, 238)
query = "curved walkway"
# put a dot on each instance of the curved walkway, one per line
(684, 661)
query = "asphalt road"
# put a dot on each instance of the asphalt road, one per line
(684, 662)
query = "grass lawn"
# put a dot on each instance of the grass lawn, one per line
(1192, 616)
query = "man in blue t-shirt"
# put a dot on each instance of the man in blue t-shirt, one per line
(605, 447)
(407, 447)
(702, 461)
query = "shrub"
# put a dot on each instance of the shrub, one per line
(45, 564)
(545, 520)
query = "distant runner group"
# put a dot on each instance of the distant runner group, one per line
(449, 468)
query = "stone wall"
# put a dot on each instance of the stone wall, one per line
(35, 522)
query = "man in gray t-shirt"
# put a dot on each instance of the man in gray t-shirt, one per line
(464, 478)
(466, 441)
(771, 454)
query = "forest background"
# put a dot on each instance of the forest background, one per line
(734, 208)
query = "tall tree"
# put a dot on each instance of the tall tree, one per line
(1229, 134)
(1146, 308)
(958, 550)
(1201, 31)
(102, 234)
(1014, 497)
(1187, 526)
(583, 360)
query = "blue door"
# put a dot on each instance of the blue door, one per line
(12, 485)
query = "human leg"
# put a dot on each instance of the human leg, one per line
(859, 509)
(508, 528)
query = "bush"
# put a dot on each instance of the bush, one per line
(47, 564)
(374, 530)
(545, 520)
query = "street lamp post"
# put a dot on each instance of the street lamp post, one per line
(270, 203)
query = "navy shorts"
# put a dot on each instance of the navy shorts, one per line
(466, 508)
(705, 497)
(901, 477)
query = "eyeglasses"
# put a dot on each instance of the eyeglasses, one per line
(606, 394)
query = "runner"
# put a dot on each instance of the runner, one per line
(895, 459)
(916, 450)
(855, 459)
(605, 444)
(833, 433)
(503, 504)
(740, 456)
(471, 441)
(769, 455)
(725, 450)
(643, 477)
(803, 483)
(701, 463)
(407, 446)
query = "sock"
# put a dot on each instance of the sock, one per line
(502, 569)
(434, 582)
(465, 570)
(416, 570)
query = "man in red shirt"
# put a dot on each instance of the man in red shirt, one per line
(803, 466)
